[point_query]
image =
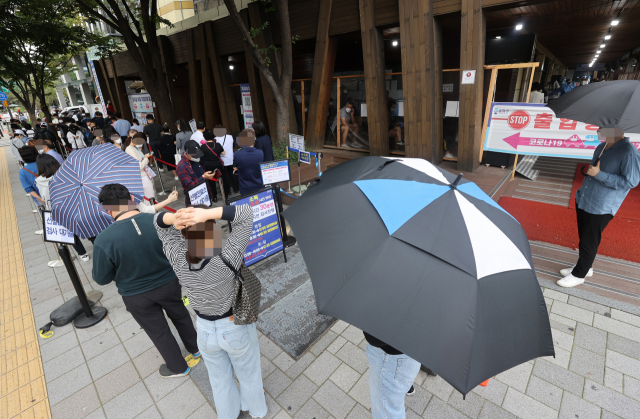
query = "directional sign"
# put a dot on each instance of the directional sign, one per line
(3, 96)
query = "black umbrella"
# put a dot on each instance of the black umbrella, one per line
(433, 268)
(612, 102)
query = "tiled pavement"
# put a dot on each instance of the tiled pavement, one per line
(110, 370)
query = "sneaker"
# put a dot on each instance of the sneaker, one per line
(84, 258)
(176, 178)
(34, 211)
(567, 271)
(161, 170)
(39, 232)
(449, 156)
(570, 281)
(167, 373)
(411, 391)
(192, 359)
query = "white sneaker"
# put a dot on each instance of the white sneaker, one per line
(570, 281)
(35, 210)
(449, 156)
(176, 178)
(567, 271)
(84, 258)
(39, 232)
(160, 170)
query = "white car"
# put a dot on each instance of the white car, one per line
(91, 109)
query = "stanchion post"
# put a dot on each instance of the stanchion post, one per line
(159, 177)
(90, 317)
(289, 190)
(299, 178)
(286, 239)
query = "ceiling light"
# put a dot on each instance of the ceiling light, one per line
(591, 65)
(394, 43)
(598, 52)
(498, 37)
(519, 26)
(230, 67)
(602, 46)
(607, 37)
(615, 22)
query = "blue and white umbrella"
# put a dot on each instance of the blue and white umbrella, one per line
(77, 184)
(425, 262)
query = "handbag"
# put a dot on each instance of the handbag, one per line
(177, 158)
(150, 173)
(246, 294)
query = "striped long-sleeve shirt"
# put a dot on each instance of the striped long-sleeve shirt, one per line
(210, 288)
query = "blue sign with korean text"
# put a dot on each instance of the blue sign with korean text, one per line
(305, 157)
(266, 238)
(3, 96)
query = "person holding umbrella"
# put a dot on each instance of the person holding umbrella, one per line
(614, 170)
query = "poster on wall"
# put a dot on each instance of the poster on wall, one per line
(247, 108)
(534, 129)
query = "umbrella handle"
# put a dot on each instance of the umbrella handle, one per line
(582, 168)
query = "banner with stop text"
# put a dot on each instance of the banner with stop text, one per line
(534, 129)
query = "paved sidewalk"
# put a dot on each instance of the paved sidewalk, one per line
(110, 370)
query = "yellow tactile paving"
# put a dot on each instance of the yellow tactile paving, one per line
(23, 393)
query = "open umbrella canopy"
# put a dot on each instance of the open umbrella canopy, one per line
(435, 269)
(602, 103)
(76, 185)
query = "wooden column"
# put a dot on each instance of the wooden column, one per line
(421, 52)
(122, 100)
(195, 78)
(166, 57)
(322, 78)
(209, 96)
(106, 88)
(374, 80)
(255, 87)
(472, 45)
(228, 112)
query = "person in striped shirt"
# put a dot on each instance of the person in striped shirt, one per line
(193, 243)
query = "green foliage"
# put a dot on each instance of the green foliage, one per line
(280, 152)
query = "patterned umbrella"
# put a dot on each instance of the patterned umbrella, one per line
(425, 262)
(76, 185)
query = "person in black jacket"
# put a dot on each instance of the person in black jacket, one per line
(212, 160)
(263, 141)
(168, 146)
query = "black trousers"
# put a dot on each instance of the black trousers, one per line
(157, 152)
(590, 228)
(147, 308)
(229, 179)
(78, 246)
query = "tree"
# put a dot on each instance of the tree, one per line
(279, 80)
(137, 22)
(36, 43)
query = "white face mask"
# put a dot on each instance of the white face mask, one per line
(118, 141)
(195, 160)
(348, 110)
(139, 145)
(40, 151)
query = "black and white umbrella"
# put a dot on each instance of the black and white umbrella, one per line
(425, 262)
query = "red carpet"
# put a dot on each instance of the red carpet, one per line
(630, 208)
(557, 225)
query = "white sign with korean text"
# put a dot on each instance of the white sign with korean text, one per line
(534, 129)
(468, 77)
(141, 103)
(54, 232)
(199, 195)
(192, 125)
(296, 142)
(247, 107)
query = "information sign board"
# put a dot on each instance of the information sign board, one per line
(193, 125)
(305, 157)
(266, 237)
(54, 232)
(199, 195)
(275, 172)
(296, 142)
(3, 97)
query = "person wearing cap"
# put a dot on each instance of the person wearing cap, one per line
(30, 134)
(614, 170)
(190, 172)
(135, 150)
(17, 143)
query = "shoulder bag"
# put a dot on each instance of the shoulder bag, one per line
(214, 153)
(150, 173)
(246, 295)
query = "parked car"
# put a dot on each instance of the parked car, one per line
(91, 109)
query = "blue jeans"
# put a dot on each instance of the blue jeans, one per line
(227, 349)
(390, 377)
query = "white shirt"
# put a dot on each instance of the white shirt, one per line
(536, 97)
(137, 127)
(197, 137)
(76, 140)
(227, 146)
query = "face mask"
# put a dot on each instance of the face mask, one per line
(118, 141)
(40, 151)
(348, 110)
(139, 145)
(196, 160)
